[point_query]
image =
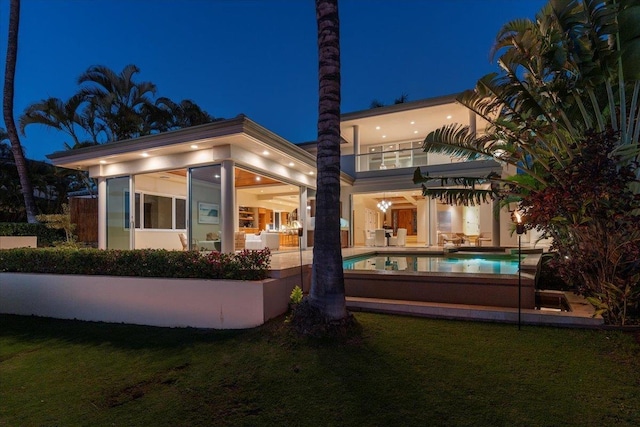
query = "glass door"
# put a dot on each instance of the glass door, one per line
(119, 225)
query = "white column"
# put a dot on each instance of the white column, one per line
(303, 216)
(422, 214)
(433, 216)
(132, 212)
(356, 146)
(228, 205)
(102, 213)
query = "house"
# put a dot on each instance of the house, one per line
(216, 183)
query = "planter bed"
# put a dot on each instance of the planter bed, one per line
(220, 304)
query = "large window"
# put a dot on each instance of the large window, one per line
(156, 212)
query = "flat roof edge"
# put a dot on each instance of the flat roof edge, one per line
(396, 108)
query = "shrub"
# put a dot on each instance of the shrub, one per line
(46, 236)
(246, 265)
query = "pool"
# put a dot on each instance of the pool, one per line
(485, 279)
(435, 264)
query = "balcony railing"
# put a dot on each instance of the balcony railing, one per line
(405, 158)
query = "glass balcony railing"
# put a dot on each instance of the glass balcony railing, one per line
(375, 160)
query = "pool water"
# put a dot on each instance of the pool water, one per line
(433, 264)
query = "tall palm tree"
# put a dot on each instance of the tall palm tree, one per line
(7, 106)
(327, 286)
(118, 99)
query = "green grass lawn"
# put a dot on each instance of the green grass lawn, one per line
(398, 371)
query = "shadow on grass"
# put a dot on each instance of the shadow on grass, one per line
(124, 336)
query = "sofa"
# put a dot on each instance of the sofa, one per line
(263, 240)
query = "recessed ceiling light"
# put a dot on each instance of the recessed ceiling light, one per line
(311, 173)
(377, 127)
(194, 146)
(384, 136)
(415, 131)
(449, 117)
(413, 123)
(258, 178)
(373, 149)
(102, 162)
(291, 163)
(216, 176)
(265, 152)
(145, 154)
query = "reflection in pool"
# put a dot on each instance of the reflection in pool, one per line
(433, 264)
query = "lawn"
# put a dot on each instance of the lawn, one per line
(397, 371)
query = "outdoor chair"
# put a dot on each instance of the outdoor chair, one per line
(183, 241)
(446, 238)
(483, 237)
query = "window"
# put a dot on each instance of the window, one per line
(154, 212)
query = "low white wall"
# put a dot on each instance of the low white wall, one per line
(219, 304)
(12, 242)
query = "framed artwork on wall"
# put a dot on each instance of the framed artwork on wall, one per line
(208, 213)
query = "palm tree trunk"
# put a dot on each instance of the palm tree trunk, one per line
(327, 284)
(7, 106)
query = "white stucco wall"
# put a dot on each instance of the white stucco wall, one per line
(219, 304)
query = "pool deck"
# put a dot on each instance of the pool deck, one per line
(581, 315)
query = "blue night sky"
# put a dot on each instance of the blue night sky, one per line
(254, 57)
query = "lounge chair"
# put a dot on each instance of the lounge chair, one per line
(446, 238)
(483, 237)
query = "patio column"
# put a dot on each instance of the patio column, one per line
(228, 205)
(102, 213)
(303, 217)
(356, 146)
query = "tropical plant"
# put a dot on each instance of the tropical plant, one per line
(60, 221)
(327, 292)
(7, 107)
(568, 78)
(112, 106)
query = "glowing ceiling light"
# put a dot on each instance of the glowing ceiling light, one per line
(145, 154)
(291, 163)
(194, 146)
(377, 127)
(449, 117)
(265, 152)
(383, 205)
(413, 123)
(102, 162)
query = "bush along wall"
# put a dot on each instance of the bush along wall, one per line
(46, 236)
(245, 265)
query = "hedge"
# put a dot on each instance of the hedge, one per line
(46, 236)
(245, 265)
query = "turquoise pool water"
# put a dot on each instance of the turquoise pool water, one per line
(433, 264)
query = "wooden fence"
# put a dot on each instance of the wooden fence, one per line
(84, 213)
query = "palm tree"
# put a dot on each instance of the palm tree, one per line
(118, 100)
(327, 286)
(57, 114)
(7, 105)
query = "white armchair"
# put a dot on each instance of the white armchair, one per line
(264, 240)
